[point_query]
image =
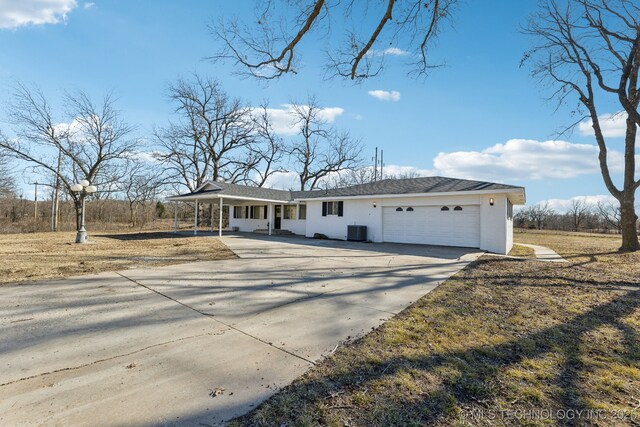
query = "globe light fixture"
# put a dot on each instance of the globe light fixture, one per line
(83, 189)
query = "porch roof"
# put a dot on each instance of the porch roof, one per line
(234, 193)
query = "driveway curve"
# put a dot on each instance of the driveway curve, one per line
(199, 343)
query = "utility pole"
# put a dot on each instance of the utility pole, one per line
(381, 164)
(375, 166)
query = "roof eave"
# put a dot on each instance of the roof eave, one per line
(194, 197)
(515, 191)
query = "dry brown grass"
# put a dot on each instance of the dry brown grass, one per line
(28, 257)
(522, 251)
(503, 335)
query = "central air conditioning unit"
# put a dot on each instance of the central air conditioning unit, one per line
(357, 233)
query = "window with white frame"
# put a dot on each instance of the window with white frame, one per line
(290, 212)
(302, 212)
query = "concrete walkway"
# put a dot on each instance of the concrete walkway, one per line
(200, 343)
(543, 253)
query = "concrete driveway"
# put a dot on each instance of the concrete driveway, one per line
(199, 343)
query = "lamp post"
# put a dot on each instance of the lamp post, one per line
(83, 188)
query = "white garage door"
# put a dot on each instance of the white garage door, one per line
(458, 226)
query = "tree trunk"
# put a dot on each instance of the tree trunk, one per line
(628, 221)
(132, 215)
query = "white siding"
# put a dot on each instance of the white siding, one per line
(248, 224)
(494, 227)
(493, 231)
(356, 212)
(252, 224)
(296, 226)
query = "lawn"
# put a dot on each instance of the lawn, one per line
(504, 342)
(522, 251)
(28, 257)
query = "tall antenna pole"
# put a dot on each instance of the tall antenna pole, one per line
(381, 164)
(375, 166)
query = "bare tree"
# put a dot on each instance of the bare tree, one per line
(609, 215)
(521, 217)
(267, 151)
(590, 50)
(403, 175)
(213, 139)
(578, 212)
(539, 214)
(7, 181)
(140, 187)
(270, 46)
(318, 150)
(91, 140)
(363, 175)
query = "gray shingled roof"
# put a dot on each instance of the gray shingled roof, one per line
(432, 184)
(254, 192)
(236, 190)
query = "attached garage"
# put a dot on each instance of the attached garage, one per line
(457, 225)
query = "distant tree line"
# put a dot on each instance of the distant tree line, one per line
(602, 217)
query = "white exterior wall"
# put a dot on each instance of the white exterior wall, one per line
(356, 212)
(496, 231)
(509, 222)
(247, 224)
(296, 226)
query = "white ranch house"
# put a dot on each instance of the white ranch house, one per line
(431, 211)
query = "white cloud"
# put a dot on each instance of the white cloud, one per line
(408, 171)
(385, 95)
(284, 119)
(73, 128)
(612, 125)
(515, 160)
(283, 181)
(395, 51)
(563, 205)
(146, 156)
(520, 159)
(88, 5)
(19, 13)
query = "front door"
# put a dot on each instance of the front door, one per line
(277, 223)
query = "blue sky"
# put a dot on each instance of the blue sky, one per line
(480, 117)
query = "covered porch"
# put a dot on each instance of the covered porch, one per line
(266, 211)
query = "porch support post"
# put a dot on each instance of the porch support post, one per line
(175, 217)
(195, 221)
(212, 222)
(220, 218)
(270, 217)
